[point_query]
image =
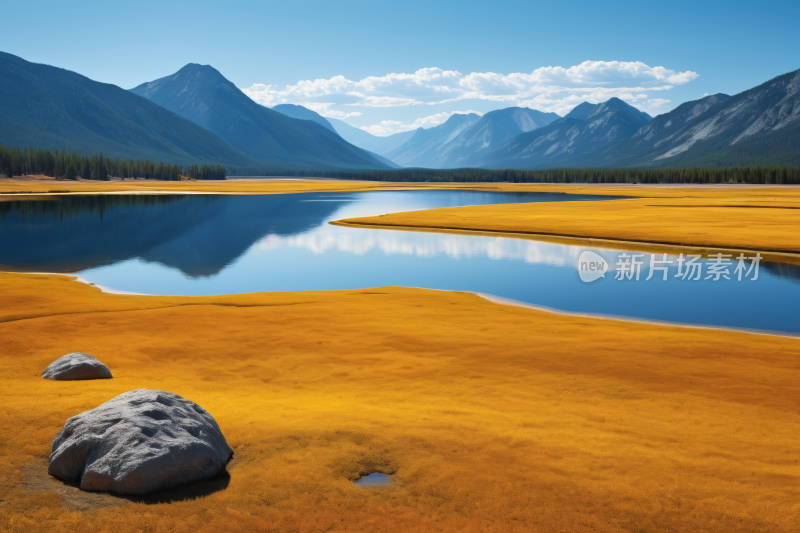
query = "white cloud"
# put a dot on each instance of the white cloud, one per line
(655, 106)
(556, 89)
(389, 127)
(434, 85)
(383, 101)
(323, 108)
(263, 94)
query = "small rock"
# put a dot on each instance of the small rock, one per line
(140, 442)
(76, 366)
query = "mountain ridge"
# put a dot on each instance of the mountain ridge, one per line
(50, 107)
(203, 95)
(464, 139)
(494, 130)
(422, 146)
(303, 113)
(581, 111)
(757, 126)
(367, 141)
(567, 140)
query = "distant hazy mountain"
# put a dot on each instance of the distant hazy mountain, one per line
(201, 94)
(569, 141)
(424, 148)
(303, 113)
(388, 162)
(367, 141)
(465, 140)
(760, 126)
(490, 132)
(49, 107)
(376, 146)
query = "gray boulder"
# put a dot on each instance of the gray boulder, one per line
(140, 442)
(76, 366)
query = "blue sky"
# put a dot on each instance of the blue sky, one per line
(338, 57)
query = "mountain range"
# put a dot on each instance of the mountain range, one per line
(568, 139)
(196, 115)
(462, 140)
(760, 126)
(757, 127)
(465, 140)
(49, 107)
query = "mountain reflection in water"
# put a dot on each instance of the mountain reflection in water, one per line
(197, 234)
(215, 244)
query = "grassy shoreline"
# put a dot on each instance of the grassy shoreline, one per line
(716, 220)
(577, 423)
(788, 257)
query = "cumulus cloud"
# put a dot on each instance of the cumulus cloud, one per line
(556, 89)
(587, 73)
(389, 127)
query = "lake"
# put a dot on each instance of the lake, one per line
(222, 244)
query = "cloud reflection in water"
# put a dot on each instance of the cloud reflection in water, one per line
(360, 241)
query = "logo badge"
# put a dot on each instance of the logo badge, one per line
(591, 266)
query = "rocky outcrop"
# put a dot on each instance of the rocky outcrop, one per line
(76, 366)
(140, 442)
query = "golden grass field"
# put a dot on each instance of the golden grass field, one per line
(490, 417)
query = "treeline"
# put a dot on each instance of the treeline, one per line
(70, 166)
(749, 175)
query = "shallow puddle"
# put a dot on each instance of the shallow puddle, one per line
(374, 480)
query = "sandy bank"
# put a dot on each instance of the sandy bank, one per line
(491, 417)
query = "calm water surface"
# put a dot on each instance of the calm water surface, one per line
(202, 244)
